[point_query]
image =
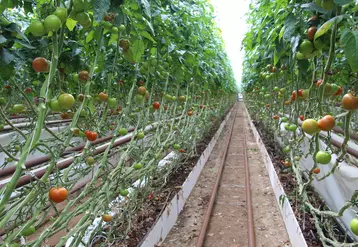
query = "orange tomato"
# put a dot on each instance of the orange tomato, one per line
(326, 123)
(58, 194)
(350, 102)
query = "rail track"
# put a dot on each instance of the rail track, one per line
(229, 193)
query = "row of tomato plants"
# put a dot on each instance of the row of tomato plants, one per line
(304, 74)
(106, 66)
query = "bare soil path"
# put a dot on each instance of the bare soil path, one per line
(228, 223)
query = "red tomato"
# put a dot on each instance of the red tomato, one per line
(156, 105)
(302, 117)
(339, 91)
(28, 90)
(91, 136)
(300, 93)
(275, 117)
(181, 150)
(58, 194)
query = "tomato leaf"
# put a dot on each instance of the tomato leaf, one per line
(281, 33)
(147, 35)
(327, 26)
(290, 25)
(90, 36)
(2, 39)
(100, 8)
(342, 2)
(313, 7)
(349, 41)
(113, 39)
(6, 56)
(137, 50)
(70, 24)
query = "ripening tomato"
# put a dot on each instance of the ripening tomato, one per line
(28, 90)
(311, 32)
(156, 105)
(190, 113)
(339, 91)
(310, 126)
(350, 102)
(83, 75)
(275, 117)
(107, 217)
(287, 163)
(319, 82)
(267, 105)
(64, 115)
(103, 96)
(316, 170)
(326, 123)
(90, 160)
(66, 101)
(40, 64)
(58, 194)
(182, 98)
(142, 90)
(181, 150)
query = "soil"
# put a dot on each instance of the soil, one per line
(228, 225)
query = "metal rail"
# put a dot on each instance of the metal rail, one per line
(207, 216)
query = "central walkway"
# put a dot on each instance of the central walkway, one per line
(228, 225)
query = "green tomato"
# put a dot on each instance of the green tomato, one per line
(137, 166)
(123, 192)
(61, 13)
(287, 126)
(176, 146)
(139, 98)
(83, 18)
(114, 30)
(112, 103)
(108, 25)
(28, 231)
(122, 131)
(78, 5)
(293, 127)
(37, 28)
(54, 105)
(327, 4)
(140, 135)
(2, 127)
(284, 119)
(180, 108)
(17, 108)
(52, 23)
(323, 157)
(354, 226)
(287, 149)
(2, 101)
(276, 89)
(306, 47)
(122, 28)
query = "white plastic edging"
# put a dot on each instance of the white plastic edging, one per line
(293, 229)
(166, 221)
